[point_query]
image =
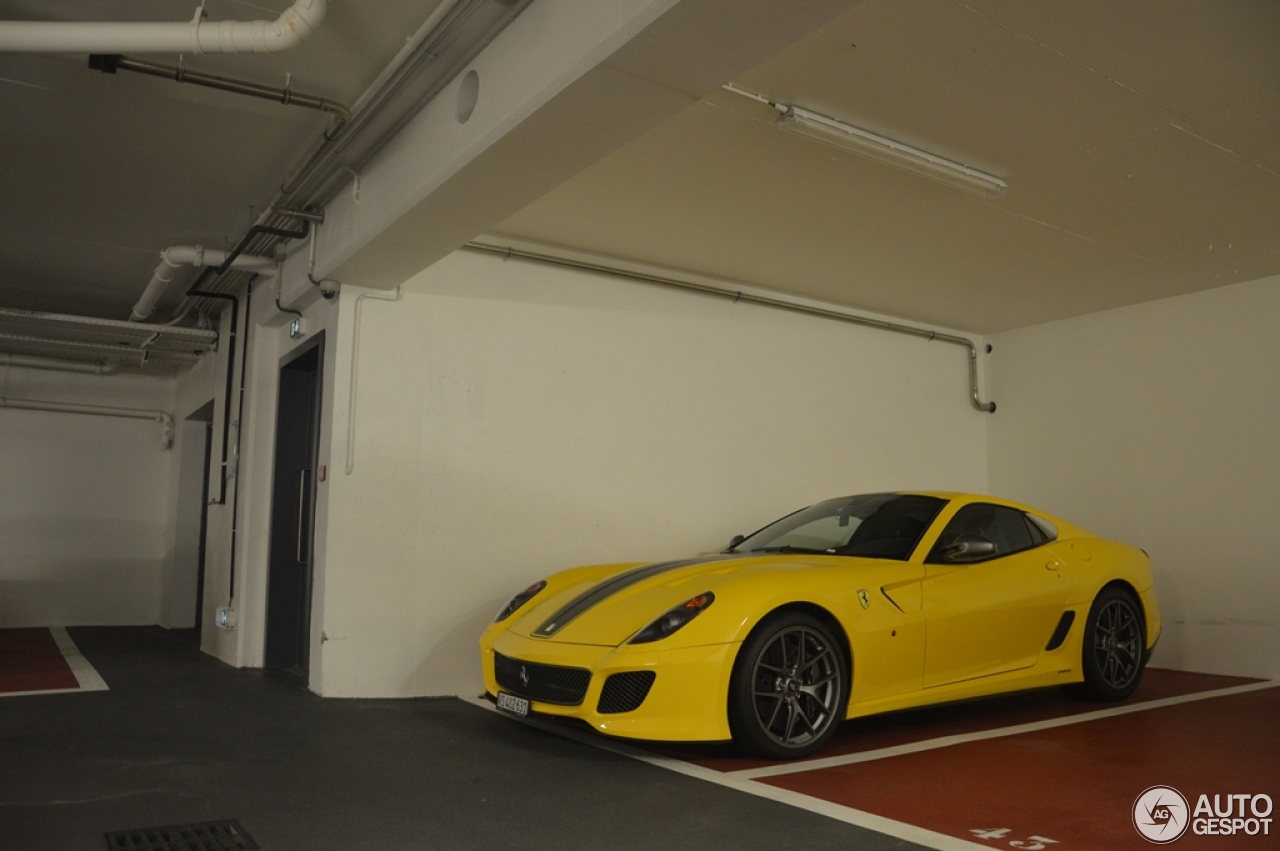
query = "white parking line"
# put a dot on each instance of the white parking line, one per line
(848, 815)
(86, 675)
(746, 780)
(996, 733)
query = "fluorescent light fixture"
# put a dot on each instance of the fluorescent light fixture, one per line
(822, 128)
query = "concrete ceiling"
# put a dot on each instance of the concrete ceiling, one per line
(101, 172)
(1140, 141)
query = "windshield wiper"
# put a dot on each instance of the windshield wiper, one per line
(790, 549)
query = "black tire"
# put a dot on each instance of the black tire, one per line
(789, 689)
(1114, 651)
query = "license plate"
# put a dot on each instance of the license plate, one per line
(514, 705)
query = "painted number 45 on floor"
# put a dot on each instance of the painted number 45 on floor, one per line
(1031, 843)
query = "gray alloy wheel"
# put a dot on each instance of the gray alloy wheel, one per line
(789, 687)
(1114, 646)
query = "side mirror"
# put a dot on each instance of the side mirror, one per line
(735, 540)
(968, 548)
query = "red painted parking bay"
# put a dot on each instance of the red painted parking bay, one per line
(1073, 786)
(40, 661)
(30, 660)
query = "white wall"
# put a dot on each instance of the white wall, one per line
(179, 590)
(195, 388)
(245, 505)
(83, 502)
(1160, 425)
(514, 419)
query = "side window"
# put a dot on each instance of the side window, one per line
(1038, 535)
(1042, 531)
(895, 528)
(979, 532)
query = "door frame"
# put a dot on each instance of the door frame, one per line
(314, 347)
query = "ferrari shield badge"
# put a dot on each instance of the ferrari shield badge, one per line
(864, 598)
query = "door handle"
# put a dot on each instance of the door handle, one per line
(302, 508)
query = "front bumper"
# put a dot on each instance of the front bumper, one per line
(686, 702)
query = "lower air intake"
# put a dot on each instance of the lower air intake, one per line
(625, 692)
(545, 683)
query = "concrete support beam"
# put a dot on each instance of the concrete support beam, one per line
(566, 84)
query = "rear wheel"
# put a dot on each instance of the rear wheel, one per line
(789, 687)
(1114, 646)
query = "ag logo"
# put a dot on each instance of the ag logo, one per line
(1161, 815)
(864, 598)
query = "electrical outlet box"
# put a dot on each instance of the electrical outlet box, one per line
(226, 619)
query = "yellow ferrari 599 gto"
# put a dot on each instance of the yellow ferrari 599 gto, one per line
(850, 607)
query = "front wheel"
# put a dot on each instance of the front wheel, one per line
(789, 687)
(1114, 646)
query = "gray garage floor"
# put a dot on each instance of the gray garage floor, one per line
(182, 738)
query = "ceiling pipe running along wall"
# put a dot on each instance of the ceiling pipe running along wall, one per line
(163, 417)
(59, 365)
(197, 36)
(448, 40)
(975, 398)
(175, 257)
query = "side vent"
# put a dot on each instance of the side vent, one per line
(625, 692)
(1060, 634)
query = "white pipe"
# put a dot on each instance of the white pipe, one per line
(293, 26)
(782, 303)
(174, 258)
(355, 353)
(163, 417)
(59, 365)
(411, 44)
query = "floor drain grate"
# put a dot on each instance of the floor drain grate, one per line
(206, 836)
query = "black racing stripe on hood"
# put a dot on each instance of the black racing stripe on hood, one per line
(613, 585)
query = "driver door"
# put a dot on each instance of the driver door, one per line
(994, 612)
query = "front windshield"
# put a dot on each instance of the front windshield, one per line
(878, 525)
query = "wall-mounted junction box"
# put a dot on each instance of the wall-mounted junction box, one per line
(226, 619)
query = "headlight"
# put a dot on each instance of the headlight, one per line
(674, 619)
(520, 599)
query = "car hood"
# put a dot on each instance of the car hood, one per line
(607, 611)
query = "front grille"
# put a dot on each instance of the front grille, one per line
(546, 683)
(625, 692)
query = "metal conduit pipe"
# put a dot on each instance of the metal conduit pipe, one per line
(233, 336)
(399, 93)
(355, 370)
(198, 36)
(109, 64)
(230, 467)
(59, 365)
(738, 295)
(174, 258)
(374, 99)
(282, 233)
